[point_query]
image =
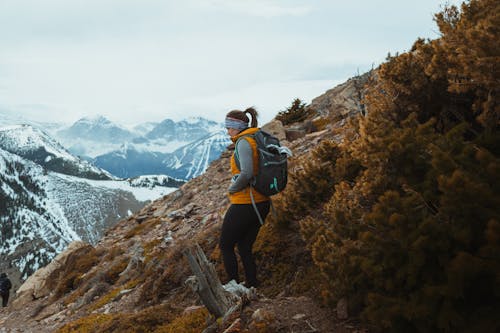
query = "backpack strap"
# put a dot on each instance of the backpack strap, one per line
(236, 158)
(255, 206)
(251, 187)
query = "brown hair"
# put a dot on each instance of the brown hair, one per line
(242, 115)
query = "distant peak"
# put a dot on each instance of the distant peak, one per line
(95, 119)
(193, 120)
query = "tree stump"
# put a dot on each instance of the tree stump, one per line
(207, 285)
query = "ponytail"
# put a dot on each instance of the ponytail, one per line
(254, 114)
(242, 115)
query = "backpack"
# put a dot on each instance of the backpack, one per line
(272, 176)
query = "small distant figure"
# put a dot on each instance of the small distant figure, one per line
(5, 286)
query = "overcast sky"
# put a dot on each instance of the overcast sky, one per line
(146, 60)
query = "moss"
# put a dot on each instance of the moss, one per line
(88, 324)
(193, 322)
(105, 299)
(113, 273)
(112, 295)
(144, 321)
(321, 122)
(112, 253)
(73, 296)
(76, 266)
(149, 249)
(142, 228)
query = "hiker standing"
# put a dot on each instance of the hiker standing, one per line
(241, 222)
(5, 286)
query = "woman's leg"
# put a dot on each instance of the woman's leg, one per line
(228, 239)
(245, 244)
(245, 251)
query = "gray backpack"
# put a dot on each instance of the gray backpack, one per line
(272, 176)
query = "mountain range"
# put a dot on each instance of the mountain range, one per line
(180, 149)
(49, 197)
(63, 183)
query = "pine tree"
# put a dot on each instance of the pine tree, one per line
(297, 112)
(412, 240)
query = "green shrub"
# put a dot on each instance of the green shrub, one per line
(297, 112)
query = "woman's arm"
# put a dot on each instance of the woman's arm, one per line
(245, 156)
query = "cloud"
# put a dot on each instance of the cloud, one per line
(151, 59)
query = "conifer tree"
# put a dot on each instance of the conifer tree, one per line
(412, 241)
(297, 112)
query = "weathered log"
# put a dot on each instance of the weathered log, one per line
(207, 285)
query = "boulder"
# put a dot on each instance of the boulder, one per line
(275, 128)
(38, 284)
(294, 134)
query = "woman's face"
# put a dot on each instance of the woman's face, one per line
(232, 132)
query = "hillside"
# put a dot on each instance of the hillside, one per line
(43, 210)
(149, 243)
(390, 221)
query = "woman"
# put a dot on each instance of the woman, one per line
(241, 223)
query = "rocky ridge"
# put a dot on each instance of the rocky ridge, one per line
(138, 265)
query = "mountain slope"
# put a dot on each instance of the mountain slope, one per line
(98, 129)
(131, 161)
(186, 162)
(393, 214)
(37, 146)
(28, 216)
(42, 212)
(193, 159)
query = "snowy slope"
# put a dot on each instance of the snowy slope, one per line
(41, 212)
(37, 146)
(27, 216)
(193, 159)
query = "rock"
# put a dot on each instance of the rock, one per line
(342, 100)
(294, 134)
(299, 316)
(37, 285)
(262, 318)
(50, 311)
(261, 315)
(275, 128)
(192, 309)
(342, 312)
(141, 218)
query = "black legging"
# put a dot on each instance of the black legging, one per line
(240, 227)
(5, 299)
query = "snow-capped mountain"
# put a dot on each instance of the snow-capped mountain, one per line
(92, 136)
(37, 146)
(27, 216)
(98, 129)
(144, 128)
(151, 181)
(131, 161)
(193, 159)
(169, 147)
(187, 130)
(41, 211)
(179, 149)
(186, 162)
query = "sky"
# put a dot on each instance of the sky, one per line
(136, 61)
